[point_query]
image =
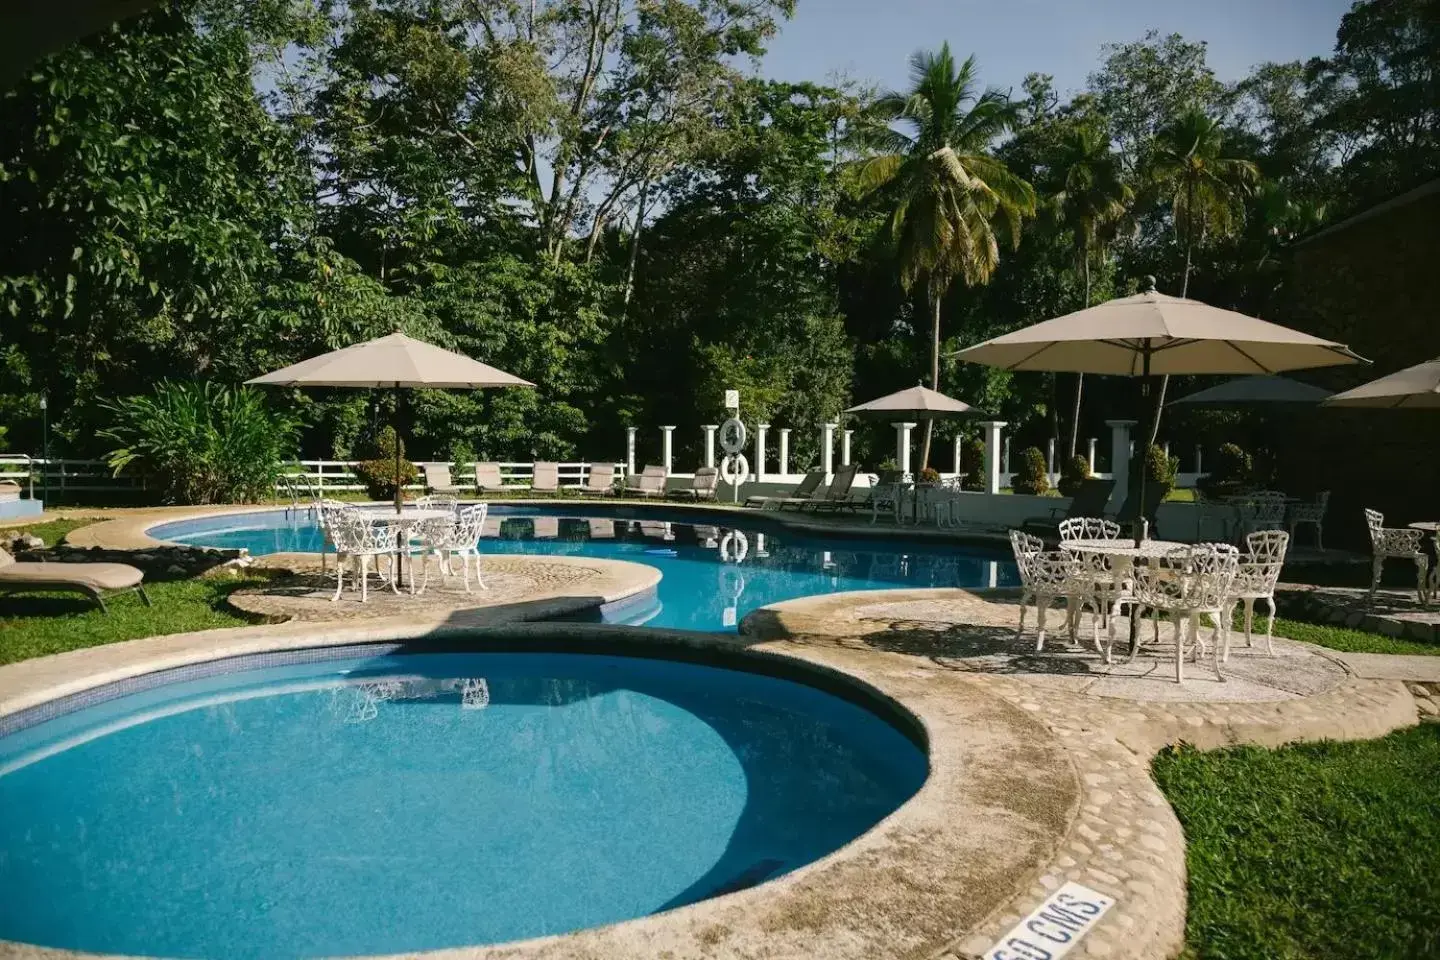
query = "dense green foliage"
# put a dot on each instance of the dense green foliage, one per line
(201, 442)
(1073, 472)
(1032, 477)
(595, 195)
(1311, 850)
(379, 472)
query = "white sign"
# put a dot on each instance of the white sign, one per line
(732, 399)
(1055, 927)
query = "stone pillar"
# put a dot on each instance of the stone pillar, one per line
(667, 448)
(784, 451)
(1120, 448)
(827, 450)
(959, 443)
(630, 451)
(1006, 467)
(1199, 460)
(1091, 455)
(1050, 456)
(710, 429)
(902, 447)
(760, 430)
(845, 447)
(992, 454)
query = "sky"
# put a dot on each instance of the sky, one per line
(871, 40)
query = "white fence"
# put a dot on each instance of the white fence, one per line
(338, 476)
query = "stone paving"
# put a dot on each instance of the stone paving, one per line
(1125, 840)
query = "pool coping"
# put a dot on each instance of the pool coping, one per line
(940, 864)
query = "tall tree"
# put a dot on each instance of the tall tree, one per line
(949, 199)
(1091, 201)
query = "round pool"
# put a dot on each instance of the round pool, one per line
(712, 574)
(392, 803)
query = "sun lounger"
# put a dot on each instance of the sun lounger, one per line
(546, 478)
(803, 493)
(602, 529)
(547, 528)
(838, 494)
(92, 579)
(437, 478)
(487, 477)
(702, 487)
(601, 481)
(650, 483)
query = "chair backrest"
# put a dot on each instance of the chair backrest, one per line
(469, 526)
(546, 476)
(437, 475)
(1089, 528)
(652, 477)
(1375, 522)
(1090, 499)
(1026, 546)
(437, 501)
(840, 486)
(487, 476)
(809, 484)
(601, 478)
(1198, 577)
(1322, 501)
(706, 480)
(1260, 568)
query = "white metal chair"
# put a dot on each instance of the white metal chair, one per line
(429, 538)
(463, 541)
(437, 501)
(359, 539)
(1255, 579)
(1190, 583)
(327, 513)
(1047, 576)
(1312, 513)
(1263, 510)
(1396, 543)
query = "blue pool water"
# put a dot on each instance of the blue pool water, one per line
(700, 588)
(414, 802)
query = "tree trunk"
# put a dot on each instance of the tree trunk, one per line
(1079, 377)
(939, 297)
(635, 244)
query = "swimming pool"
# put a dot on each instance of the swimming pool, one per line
(390, 803)
(712, 575)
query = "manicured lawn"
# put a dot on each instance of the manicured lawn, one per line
(1344, 638)
(1324, 850)
(51, 531)
(33, 625)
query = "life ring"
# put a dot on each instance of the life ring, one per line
(732, 436)
(734, 469)
(735, 547)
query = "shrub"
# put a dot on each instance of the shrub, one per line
(1032, 477)
(462, 458)
(1073, 472)
(1160, 474)
(972, 462)
(1232, 469)
(929, 475)
(201, 442)
(378, 472)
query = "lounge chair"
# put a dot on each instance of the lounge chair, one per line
(547, 528)
(546, 478)
(1129, 510)
(601, 481)
(1089, 501)
(437, 478)
(838, 494)
(487, 477)
(650, 483)
(92, 579)
(803, 493)
(702, 487)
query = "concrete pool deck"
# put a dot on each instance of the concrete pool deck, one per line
(1040, 763)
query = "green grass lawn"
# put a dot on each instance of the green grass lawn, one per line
(33, 625)
(1344, 638)
(1324, 850)
(51, 531)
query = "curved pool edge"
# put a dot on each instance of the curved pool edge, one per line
(914, 884)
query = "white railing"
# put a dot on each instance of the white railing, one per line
(63, 475)
(323, 477)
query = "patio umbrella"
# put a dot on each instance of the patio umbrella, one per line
(1256, 391)
(1151, 334)
(915, 403)
(1417, 386)
(395, 362)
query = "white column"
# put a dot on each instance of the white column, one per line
(710, 429)
(992, 454)
(760, 430)
(1091, 456)
(845, 447)
(1050, 456)
(827, 449)
(1006, 467)
(668, 436)
(630, 451)
(902, 447)
(1199, 460)
(784, 451)
(1120, 458)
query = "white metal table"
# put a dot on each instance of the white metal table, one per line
(403, 525)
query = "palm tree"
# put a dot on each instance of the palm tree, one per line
(949, 200)
(1092, 200)
(1205, 190)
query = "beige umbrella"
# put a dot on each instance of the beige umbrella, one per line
(915, 403)
(1254, 392)
(395, 362)
(1417, 386)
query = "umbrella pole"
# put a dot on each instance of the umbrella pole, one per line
(398, 496)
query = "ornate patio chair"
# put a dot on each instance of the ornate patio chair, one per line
(1255, 579)
(1396, 543)
(1089, 528)
(1189, 583)
(463, 541)
(1047, 576)
(437, 501)
(1312, 513)
(360, 540)
(1262, 510)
